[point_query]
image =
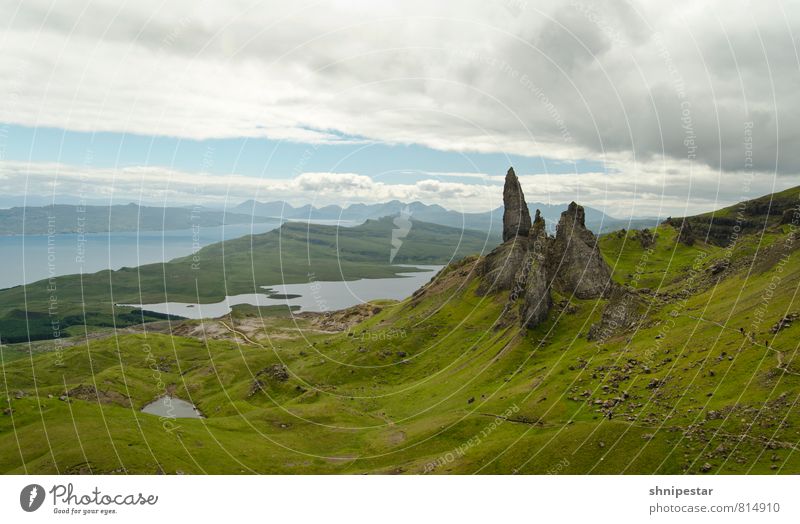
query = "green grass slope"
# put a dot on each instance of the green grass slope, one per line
(747, 217)
(446, 381)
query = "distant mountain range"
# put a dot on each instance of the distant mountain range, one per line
(71, 218)
(67, 218)
(487, 222)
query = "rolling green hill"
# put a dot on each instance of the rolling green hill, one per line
(747, 217)
(286, 255)
(706, 381)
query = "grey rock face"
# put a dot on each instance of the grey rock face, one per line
(516, 217)
(575, 259)
(500, 268)
(537, 300)
(529, 261)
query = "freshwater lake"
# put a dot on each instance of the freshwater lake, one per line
(316, 296)
(25, 258)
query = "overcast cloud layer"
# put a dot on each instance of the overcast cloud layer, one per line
(671, 95)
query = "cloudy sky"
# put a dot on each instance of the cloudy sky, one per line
(639, 108)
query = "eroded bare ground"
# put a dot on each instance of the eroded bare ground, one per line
(255, 330)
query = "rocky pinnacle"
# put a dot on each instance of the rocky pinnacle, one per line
(516, 217)
(575, 259)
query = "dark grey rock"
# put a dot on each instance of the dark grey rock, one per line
(685, 234)
(516, 217)
(271, 374)
(575, 258)
(499, 269)
(790, 216)
(537, 299)
(646, 238)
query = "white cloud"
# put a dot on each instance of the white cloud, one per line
(650, 190)
(156, 185)
(663, 93)
(564, 80)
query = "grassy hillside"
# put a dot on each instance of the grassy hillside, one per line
(747, 217)
(447, 382)
(294, 253)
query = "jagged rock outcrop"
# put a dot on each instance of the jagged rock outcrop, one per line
(529, 262)
(685, 234)
(790, 216)
(646, 238)
(684, 227)
(275, 373)
(538, 231)
(575, 259)
(537, 301)
(500, 268)
(503, 267)
(516, 217)
(624, 311)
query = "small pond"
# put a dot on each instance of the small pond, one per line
(171, 407)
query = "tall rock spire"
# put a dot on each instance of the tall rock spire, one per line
(516, 217)
(575, 257)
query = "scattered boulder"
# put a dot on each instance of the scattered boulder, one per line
(719, 266)
(654, 384)
(784, 323)
(273, 373)
(276, 372)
